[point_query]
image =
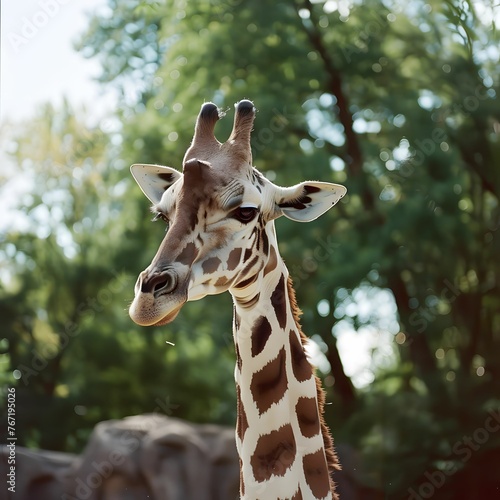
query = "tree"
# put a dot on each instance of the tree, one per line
(69, 343)
(398, 106)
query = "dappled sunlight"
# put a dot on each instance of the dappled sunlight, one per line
(365, 332)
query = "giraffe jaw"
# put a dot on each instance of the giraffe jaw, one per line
(168, 318)
(145, 310)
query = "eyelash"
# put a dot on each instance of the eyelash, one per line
(159, 215)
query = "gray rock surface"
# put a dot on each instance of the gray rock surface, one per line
(151, 457)
(142, 457)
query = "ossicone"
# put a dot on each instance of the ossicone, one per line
(205, 124)
(243, 122)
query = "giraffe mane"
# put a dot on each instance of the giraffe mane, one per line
(331, 457)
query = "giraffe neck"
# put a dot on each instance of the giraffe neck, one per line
(284, 446)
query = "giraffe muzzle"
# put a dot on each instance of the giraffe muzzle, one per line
(159, 283)
(159, 296)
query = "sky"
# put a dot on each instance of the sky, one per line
(39, 64)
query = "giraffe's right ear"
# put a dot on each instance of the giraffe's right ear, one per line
(154, 180)
(308, 200)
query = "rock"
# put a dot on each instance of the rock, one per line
(142, 457)
(39, 474)
(151, 457)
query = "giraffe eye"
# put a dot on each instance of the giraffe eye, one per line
(160, 215)
(245, 214)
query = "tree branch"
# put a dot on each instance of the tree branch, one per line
(343, 385)
(335, 86)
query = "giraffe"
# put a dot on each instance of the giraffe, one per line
(221, 237)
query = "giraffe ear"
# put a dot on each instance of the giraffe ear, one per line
(154, 180)
(308, 200)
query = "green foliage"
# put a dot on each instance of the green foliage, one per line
(68, 343)
(400, 105)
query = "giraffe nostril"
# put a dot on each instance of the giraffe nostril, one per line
(160, 283)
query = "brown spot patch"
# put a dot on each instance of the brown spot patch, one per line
(166, 177)
(261, 331)
(298, 495)
(218, 236)
(301, 368)
(278, 301)
(238, 357)
(304, 368)
(222, 281)
(274, 454)
(265, 243)
(247, 304)
(257, 176)
(242, 482)
(301, 201)
(237, 319)
(316, 473)
(269, 384)
(242, 421)
(307, 416)
(311, 189)
(249, 266)
(245, 283)
(211, 265)
(272, 262)
(256, 236)
(193, 219)
(298, 205)
(233, 259)
(188, 254)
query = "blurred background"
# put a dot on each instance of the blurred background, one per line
(399, 284)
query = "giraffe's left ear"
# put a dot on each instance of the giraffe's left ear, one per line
(308, 200)
(154, 180)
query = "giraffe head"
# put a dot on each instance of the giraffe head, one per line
(220, 212)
